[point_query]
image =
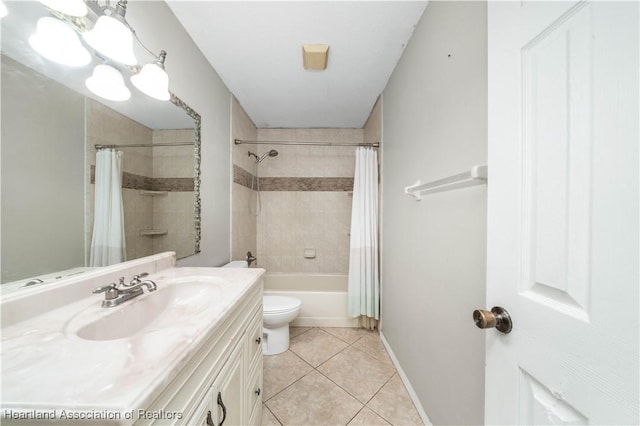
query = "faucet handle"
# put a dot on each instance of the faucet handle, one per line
(122, 284)
(111, 291)
(135, 280)
(104, 288)
(137, 277)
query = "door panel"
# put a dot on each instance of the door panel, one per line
(563, 212)
(540, 405)
(556, 78)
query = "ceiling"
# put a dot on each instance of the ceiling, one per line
(256, 48)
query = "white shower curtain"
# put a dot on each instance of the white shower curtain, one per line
(108, 241)
(364, 287)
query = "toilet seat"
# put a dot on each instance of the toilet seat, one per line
(279, 304)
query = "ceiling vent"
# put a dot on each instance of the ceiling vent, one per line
(314, 56)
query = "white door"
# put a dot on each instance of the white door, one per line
(563, 212)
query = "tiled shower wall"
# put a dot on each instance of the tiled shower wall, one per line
(243, 223)
(306, 201)
(106, 126)
(146, 168)
(305, 195)
(173, 169)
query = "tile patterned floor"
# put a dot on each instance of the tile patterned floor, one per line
(335, 376)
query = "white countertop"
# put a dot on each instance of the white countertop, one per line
(46, 366)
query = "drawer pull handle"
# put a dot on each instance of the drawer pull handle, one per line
(224, 409)
(209, 419)
(258, 392)
(258, 340)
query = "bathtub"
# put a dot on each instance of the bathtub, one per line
(324, 297)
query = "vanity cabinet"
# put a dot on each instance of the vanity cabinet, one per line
(228, 390)
(222, 383)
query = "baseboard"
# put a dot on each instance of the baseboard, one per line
(324, 322)
(407, 383)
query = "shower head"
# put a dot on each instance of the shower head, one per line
(272, 153)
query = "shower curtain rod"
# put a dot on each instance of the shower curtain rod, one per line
(143, 145)
(241, 141)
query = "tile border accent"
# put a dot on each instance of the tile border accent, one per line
(241, 176)
(134, 181)
(328, 184)
(174, 184)
(333, 184)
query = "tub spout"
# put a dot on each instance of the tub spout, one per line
(250, 258)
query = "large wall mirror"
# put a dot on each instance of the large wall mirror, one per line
(51, 125)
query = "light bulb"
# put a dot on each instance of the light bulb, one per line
(153, 81)
(107, 82)
(3, 9)
(112, 38)
(57, 42)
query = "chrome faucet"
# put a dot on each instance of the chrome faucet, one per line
(117, 294)
(136, 279)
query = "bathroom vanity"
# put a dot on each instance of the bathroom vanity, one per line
(188, 353)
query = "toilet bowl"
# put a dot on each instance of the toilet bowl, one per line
(277, 313)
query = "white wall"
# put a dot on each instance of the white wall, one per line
(433, 251)
(42, 174)
(194, 80)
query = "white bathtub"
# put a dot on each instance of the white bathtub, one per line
(324, 297)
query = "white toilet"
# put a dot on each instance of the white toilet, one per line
(277, 313)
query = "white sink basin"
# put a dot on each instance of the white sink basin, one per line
(175, 300)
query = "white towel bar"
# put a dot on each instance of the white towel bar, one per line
(476, 176)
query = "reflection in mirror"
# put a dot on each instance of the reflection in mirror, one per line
(158, 185)
(49, 128)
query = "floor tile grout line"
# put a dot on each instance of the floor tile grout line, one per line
(364, 404)
(316, 369)
(300, 358)
(312, 371)
(357, 399)
(292, 383)
(301, 333)
(264, 407)
(331, 357)
(374, 395)
(355, 415)
(337, 337)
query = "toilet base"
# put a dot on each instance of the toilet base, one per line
(276, 340)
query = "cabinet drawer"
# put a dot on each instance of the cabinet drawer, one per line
(254, 390)
(254, 337)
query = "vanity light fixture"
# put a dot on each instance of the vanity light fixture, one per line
(152, 80)
(59, 43)
(3, 9)
(112, 36)
(68, 7)
(107, 82)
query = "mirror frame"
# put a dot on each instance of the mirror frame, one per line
(197, 209)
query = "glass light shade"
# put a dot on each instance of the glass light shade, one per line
(3, 10)
(153, 81)
(113, 39)
(57, 42)
(107, 82)
(68, 7)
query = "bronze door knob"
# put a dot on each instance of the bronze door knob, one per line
(498, 317)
